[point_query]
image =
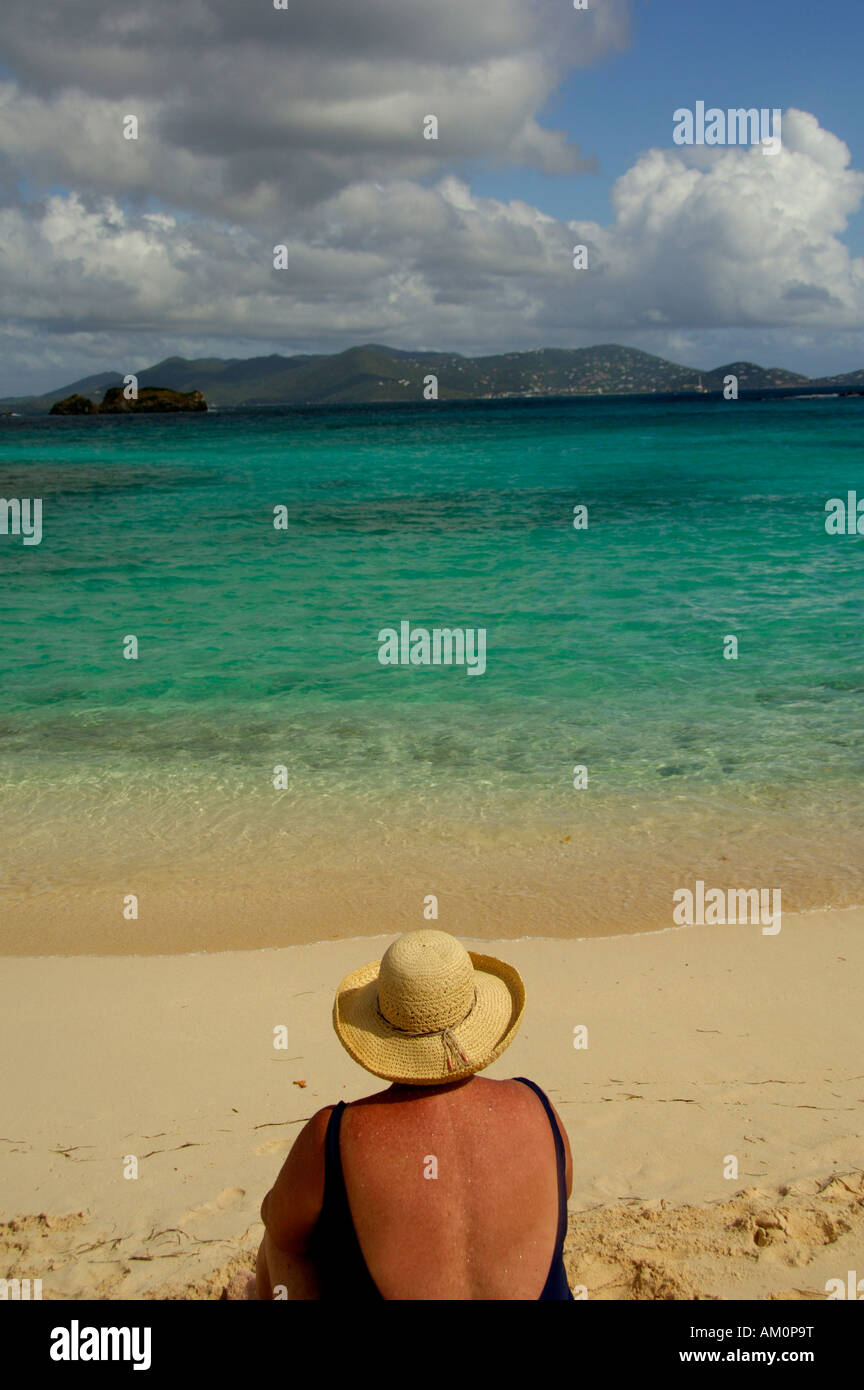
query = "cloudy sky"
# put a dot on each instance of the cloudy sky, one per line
(303, 126)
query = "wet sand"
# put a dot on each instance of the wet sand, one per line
(235, 878)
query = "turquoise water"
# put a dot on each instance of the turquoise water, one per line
(604, 647)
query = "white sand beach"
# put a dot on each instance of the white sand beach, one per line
(705, 1045)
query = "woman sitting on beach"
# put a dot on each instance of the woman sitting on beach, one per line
(446, 1185)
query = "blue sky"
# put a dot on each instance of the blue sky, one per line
(758, 53)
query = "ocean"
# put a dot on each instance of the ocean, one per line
(258, 650)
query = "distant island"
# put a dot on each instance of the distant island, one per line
(149, 401)
(374, 374)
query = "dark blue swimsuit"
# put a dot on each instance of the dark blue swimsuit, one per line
(336, 1251)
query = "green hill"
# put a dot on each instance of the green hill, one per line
(375, 373)
(848, 379)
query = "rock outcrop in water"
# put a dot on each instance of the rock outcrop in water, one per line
(75, 405)
(149, 401)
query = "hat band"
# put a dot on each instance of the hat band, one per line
(453, 1050)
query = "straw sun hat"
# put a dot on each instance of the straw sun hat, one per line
(429, 1011)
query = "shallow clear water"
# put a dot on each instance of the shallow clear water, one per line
(259, 647)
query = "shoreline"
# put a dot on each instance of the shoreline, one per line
(540, 901)
(255, 887)
(824, 908)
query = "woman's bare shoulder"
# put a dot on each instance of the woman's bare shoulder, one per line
(506, 1091)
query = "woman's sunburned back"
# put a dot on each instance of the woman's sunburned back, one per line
(485, 1227)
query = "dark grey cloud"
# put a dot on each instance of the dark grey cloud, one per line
(314, 97)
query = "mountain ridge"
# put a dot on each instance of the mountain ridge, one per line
(372, 373)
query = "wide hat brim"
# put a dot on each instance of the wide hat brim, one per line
(410, 1060)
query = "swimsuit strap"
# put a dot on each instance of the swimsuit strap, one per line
(333, 1178)
(336, 1250)
(556, 1284)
